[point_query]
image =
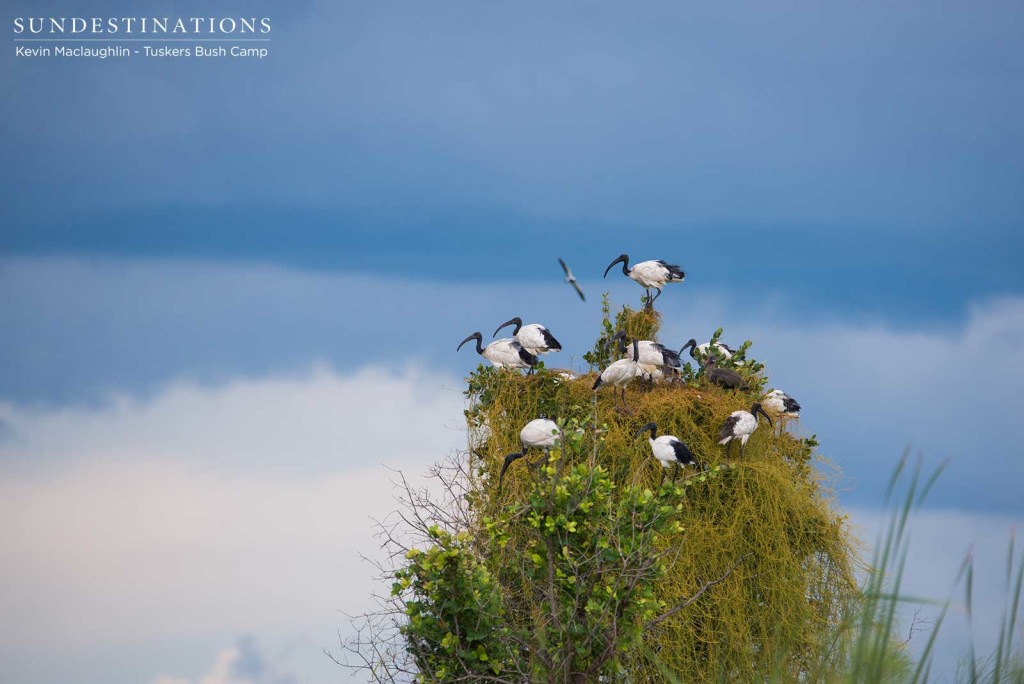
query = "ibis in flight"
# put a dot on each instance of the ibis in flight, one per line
(534, 338)
(652, 275)
(619, 374)
(503, 353)
(571, 279)
(669, 450)
(540, 433)
(740, 425)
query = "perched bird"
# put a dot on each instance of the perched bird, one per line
(723, 350)
(653, 275)
(534, 338)
(651, 353)
(782, 405)
(571, 279)
(619, 374)
(540, 433)
(669, 450)
(740, 425)
(503, 353)
(723, 377)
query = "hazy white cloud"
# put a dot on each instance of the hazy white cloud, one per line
(156, 525)
(317, 421)
(243, 663)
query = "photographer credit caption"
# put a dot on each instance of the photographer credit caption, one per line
(142, 37)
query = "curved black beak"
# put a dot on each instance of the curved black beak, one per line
(692, 346)
(475, 336)
(504, 466)
(758, 409)
(517, 321)
(622, 258)
(653, 427)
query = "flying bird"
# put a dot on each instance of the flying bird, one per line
(571, 279)
(652, 275)
(740, 425)
(540, 433)
(619, 374)
(668, 450)
(534, 338)
(503, 353)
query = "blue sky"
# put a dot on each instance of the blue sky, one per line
(188, 244)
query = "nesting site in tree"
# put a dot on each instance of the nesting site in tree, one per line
(587, 563)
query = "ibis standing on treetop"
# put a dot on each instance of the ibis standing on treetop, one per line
(534, 338)
(653, 275)
(655, 359)
(782, 405)
(669, 450)
(740, 425)
(723, 350)
(619, 374)
(723, 377)
(503, 353)
(540, 433)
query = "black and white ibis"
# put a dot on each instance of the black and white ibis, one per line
(669, 450)
(534, 337)
(503, 353)
(619, 374)
(740, 425)
(540, 433)
(652, 275)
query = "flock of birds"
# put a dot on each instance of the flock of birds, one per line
(643, 359)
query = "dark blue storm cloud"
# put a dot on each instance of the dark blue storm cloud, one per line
(864, 157)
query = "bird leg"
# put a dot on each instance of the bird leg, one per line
(675, 473)
(662, 480)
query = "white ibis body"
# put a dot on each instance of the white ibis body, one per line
(740, 425)
(669, 450)
(534, 338)
(700, 351)
(571, 279)
(780, 403)
(540, 433)
(619, 374)
(503, 353)
(652, 275)
(651, 353)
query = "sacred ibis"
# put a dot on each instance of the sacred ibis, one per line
(723, 377)
(740, 425)
(669, 450)
(651, 353)
(619, 374)
(782, 405)
(503, 353)
(540, 433)
(722, 349)
(534, 338)
(571, 279)
(652, 275)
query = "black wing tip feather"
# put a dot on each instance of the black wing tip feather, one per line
(727, 427)
(683, 453)
(550, 341)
